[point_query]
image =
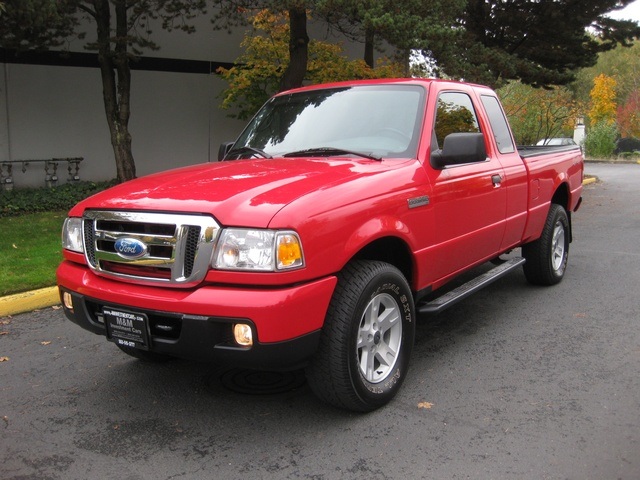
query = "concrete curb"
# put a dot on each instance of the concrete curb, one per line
(613, 162)
(29, 301)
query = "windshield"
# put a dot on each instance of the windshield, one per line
(377, 120)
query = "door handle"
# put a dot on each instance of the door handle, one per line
(496, 179)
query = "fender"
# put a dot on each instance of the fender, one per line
(374, 229)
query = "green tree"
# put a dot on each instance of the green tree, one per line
(258, 71)
(406, 25)
(403, 25)
(123, 29)
(488, 41)
(600, 141)
(623, 65)
(541, 43)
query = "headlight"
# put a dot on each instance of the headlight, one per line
(72, 235)
(258, 250)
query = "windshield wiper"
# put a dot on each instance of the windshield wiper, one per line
(246, 149)
(328, 152)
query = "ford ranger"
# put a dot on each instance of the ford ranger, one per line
(335, 218)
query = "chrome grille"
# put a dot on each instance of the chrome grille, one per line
(177, 248)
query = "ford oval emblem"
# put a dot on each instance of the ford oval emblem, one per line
(130, 248)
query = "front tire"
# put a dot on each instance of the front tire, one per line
(547, 257)
(367, 338)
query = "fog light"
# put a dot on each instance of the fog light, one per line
(243, 334)
(67, 300)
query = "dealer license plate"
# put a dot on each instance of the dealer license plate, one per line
(127, 329)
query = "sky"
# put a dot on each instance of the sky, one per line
(630, 12)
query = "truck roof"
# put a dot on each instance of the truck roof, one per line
(426, 82)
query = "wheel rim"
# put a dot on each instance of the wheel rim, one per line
(379, 338)
(558, 247)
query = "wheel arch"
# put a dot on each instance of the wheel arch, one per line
(392, 250)
(562, 197)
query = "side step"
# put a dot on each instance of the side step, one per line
(472, 286)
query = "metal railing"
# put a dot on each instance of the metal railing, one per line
(51, 178)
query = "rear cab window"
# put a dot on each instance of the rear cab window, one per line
(498, 123)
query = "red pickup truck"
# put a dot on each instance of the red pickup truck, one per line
(317, 237)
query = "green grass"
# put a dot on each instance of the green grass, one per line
(30, 251)
(30, 227)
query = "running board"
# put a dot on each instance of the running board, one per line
(463, 291)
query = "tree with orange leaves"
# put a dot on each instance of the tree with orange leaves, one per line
(258, 71)
(603, 100)
(629, 116)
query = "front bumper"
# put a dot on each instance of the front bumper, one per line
(197, 323)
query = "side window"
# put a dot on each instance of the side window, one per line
(454, 114)
(499, 124)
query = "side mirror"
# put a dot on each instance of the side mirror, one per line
(224, 149)
(460, 148)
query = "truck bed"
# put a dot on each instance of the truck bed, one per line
(527, 151)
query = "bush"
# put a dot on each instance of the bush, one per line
(600, 141)
(32, 200)
(628, 145)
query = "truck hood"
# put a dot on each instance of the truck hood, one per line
(236, 193)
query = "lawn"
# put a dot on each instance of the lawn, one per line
(30, 229)
(30, 251)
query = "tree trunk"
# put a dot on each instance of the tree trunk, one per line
(298, 49)
(116, 83)
(369, 37)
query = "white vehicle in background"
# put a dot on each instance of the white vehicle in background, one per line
(559, 141)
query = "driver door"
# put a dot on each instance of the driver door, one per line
(469, 201)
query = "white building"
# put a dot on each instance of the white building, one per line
(52, 107)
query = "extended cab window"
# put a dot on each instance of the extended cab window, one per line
(454, 114)
(498, 123)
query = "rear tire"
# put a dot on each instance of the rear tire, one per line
(547, 257)
(366, 340)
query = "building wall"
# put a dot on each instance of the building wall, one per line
(54, 111)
